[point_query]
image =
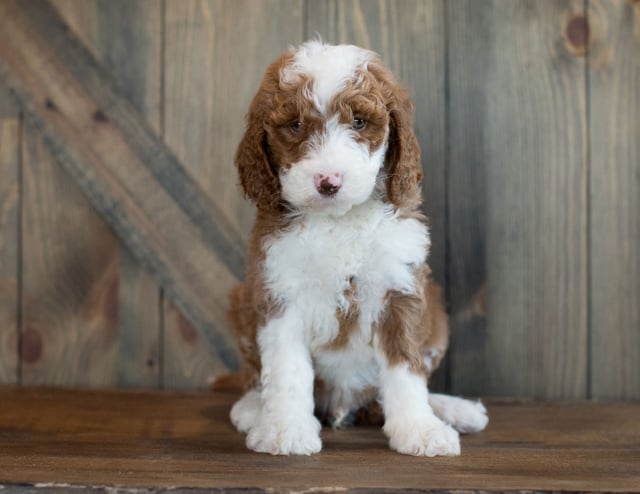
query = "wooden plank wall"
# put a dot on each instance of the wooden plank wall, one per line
(525, 138)
(528, 113)
(614, 195)
(10, 138)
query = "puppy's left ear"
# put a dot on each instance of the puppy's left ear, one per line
(402, 161)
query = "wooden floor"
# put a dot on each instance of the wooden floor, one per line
(51, 439)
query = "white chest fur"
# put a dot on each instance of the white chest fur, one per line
(309, 266)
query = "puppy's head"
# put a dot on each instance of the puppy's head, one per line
(329, 128)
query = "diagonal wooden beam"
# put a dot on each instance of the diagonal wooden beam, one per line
(129, 175)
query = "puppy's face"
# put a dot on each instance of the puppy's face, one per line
(324, 130)
(328, 129)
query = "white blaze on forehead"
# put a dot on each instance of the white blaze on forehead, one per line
(329, 67)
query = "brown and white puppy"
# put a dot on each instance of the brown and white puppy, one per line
(337, 309)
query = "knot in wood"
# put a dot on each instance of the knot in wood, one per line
(187, 331)
(31, 345)
(100, 117)
(578, 32)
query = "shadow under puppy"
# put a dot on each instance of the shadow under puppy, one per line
(338, 311)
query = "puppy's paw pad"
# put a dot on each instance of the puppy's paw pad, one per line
(245, 413)
(432, 438)
(286, 438)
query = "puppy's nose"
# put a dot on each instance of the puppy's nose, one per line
(327, 185)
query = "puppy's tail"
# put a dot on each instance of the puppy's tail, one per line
(476, 307)
(226, 383)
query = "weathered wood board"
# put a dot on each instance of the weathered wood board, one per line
(126, 38)
(68, 305)
(9, 239)
(517, 189)
(69, 300)
(112, 152)
(161, 441)
(614, 103)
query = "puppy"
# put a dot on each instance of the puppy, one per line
(337, 310)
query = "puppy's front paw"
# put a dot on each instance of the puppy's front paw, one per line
(281, 437)
(430, 437)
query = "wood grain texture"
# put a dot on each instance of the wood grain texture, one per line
(161, 440)
(71, 276)
(517, 198)
(410, 38)
(9, 241)
(140, 323)
(216, 55)
(69, 301)
(614, 98)
(137, 184)
(189, 362)
(126, 39)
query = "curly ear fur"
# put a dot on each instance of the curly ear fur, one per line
(258, 174)
(402, 162)
(258, 177)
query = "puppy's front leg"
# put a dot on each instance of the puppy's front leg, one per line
(410, 423)
(287, 424)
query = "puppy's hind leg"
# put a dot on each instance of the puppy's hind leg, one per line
(245, 413)
(465, 416)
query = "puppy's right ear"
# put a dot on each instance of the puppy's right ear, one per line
(258, 174)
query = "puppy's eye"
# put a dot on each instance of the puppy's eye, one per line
(296, 126)
(358, 123)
